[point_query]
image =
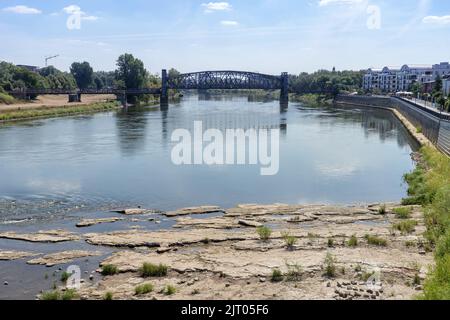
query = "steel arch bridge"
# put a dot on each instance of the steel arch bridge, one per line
(225, 80)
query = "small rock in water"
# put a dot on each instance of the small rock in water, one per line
(6, 283)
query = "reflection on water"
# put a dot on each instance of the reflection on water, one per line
(333, 155)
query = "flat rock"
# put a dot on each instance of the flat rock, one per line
(249, 223)
(50, 236)
(211, 223)
(15, 255)
(194, 210)
(137, 211)
(91, 222)
(53, 259)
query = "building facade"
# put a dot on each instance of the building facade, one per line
(394, 79)
(446, 85)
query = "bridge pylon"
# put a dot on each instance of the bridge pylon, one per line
(284, 93)
(164, 97)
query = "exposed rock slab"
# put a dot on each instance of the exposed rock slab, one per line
(193, 211)
(51, 236)
(212, 223)
(15, 255)
(92, 222)
(53, 259)
(137, 211)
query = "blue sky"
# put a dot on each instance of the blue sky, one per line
(268, 36)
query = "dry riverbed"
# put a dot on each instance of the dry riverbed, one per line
(319, 252)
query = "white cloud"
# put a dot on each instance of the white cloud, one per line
(217, 6)
(439, 20)
(229, 23)
(324, 3)
(23, 10)
(74, 9)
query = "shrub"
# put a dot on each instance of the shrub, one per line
(382, 209)
(109, 270)
(443, 246)
(143, 289)
(50, 295)
(437, 286)
(403, 213)
(376, 241)
(69, 294)
(289, 240)
(108, 296)
(330, 267)
(65, 276)
(407, 226)
(151, 270)
(353, 242)
(277, 275)
(294, 272)
(6, 99)
(330, 243)
(264, 233)
(170, 290)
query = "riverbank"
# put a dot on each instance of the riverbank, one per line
(57, 111)
(247, 252)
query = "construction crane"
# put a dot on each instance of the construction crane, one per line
(49, 58)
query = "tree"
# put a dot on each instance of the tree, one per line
(83, 74)
(437, 85)
(416, 88)
(131, 72)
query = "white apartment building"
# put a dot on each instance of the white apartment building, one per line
(393, 79)
(446, 85)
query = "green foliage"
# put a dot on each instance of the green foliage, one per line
(6, 99)
(330, 243)
(131, 71)
(353, 242)
(382, 209)
(143, 289)
(405, 227)
(83, 74)
(376, 241)
(289, 240)
(65, 276)
(109, 270)
(108, 296)
(329, 266)
(50, 296)
(264, 233)
(69, 294)
(294, 273)
(151, 270)
(277, 275)
(170, 290)
(437, 285)
(403, 212)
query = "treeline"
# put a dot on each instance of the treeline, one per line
(324, 82)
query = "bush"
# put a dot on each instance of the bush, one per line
(408, 226)
(170, 290)
(403, 213)
(50, 295)
(290, 241)
(143, 289)
(382, 209)
(294, 272)
(69, 294)
(277, 275)
(264, 233)
(330, 243)
(443, 246)
(108, 296)
(353, 242)
(376, 241)
(109, 270)
(151, 270)
(330, 267)
(437, 286)
(65, 276)
(6, 99)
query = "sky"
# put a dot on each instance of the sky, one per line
(269, 36)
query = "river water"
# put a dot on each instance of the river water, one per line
(340, 155)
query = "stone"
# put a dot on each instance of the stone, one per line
(194, 211)
(137, 211)
(53, 259)
(50, 236)
(15, 255)
(91, 222)
(248, 223)
(6, 283)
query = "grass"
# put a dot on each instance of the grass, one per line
(50, 112)
(54, 295)
(50, 295)
(277, 275)
(429, 186)
(108, 296)
(264, 233)
(143, 289)
(419, 130)
(69, 294)
(366, 276)
(6, 98)
(65, 276)
(403, 212)
(353, 242)
(109, 270)
(382, 209)
(294, 273)
(376, 241)
(152, 270)
(290, 241)
(170, 290)
(406, 227)
(330, 243)
(329, 266)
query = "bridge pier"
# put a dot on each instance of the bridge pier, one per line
(74, 97)
(284, 93)
(164, 97)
